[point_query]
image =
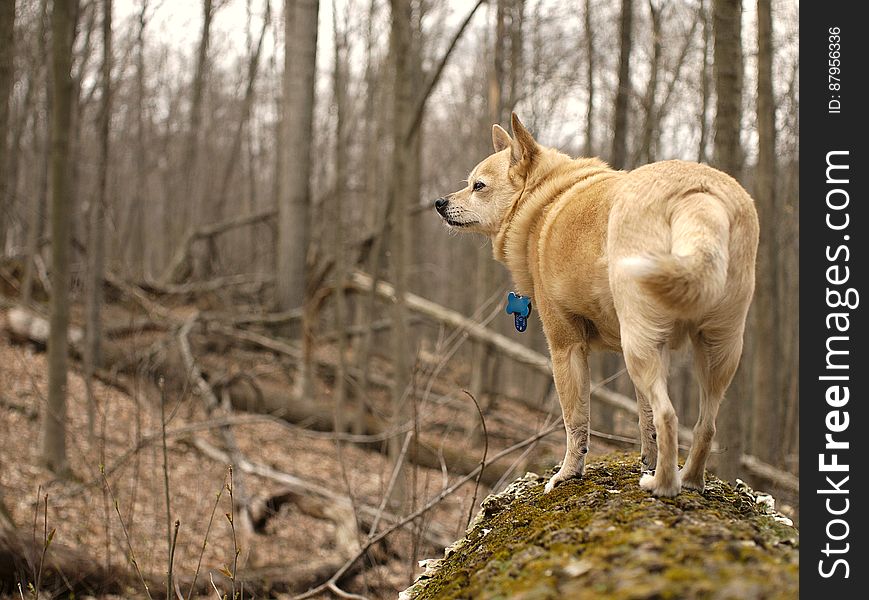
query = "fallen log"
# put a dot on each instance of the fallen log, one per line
(210, 285)
(180, 266)
(303, 487)
(274, 399)
(601, 536)
(241, 498)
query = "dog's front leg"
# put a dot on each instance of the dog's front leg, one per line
(570, 370)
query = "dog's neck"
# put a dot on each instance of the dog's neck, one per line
(511, 245)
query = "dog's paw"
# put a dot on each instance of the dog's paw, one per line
(691, 482)
(649, 458)
(659, 487)
(558, 478)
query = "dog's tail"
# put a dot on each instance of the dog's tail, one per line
(692, 276)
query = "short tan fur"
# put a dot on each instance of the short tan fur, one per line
(636, 262)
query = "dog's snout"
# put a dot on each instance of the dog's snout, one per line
(441, 203)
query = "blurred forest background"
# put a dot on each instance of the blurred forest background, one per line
(217, 247)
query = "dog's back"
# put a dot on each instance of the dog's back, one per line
(688, 234)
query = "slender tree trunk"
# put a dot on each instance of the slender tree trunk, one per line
(619, 155)
(650, 105)
(53, 434)
(401, 184)
(7, 78)
(300, 60)
(136, 264)
(36, 203)
(96, 240)
(589, 80)
(190, 201)
(299, 72)
(517, 56)
(728, 72)
(766, 430)
(704, 84)
(233, 161)
(727, 32)
(41, 139)
(339, 88)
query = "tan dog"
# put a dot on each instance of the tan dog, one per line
(627, 261)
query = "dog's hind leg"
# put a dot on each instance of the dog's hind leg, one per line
(648, 445)
(648, 365)
(716, 357)
(570, 371)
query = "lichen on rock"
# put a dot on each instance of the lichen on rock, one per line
(603, 537)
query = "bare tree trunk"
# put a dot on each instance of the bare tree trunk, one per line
(789, 278)
(233, 159)
(190, 160)
(650, 123)
(53, 433)
(136, 228)
(728, 72)
(401, 184)
(299, 72)
(96, 238)
(704, 84)
(517, 55)
(589, 81)
(727, 31)
(7, 77)
(619, 155)
(767, 404)
(36, 202)
(300, 59)
(339, 85)
(38, 199)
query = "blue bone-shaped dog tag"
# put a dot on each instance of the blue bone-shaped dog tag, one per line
(520, 308)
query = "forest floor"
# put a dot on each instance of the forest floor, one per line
(300, 540)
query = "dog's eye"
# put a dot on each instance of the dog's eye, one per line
(478, 185)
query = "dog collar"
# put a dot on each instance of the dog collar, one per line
(520, 308)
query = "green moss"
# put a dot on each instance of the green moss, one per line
(604, 537)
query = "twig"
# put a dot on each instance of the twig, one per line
(46, 542)
(420, 105)
(35, 519)
(392, 479)
(173, 543)
(342, 594)
(424, 509)
(205, 541)
(169, 537)
(231, 519)
(482, 460)
(216, 591)
(133, 560)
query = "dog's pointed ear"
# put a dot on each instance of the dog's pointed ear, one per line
(500, 138)
(524, 146)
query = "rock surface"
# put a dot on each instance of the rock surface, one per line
(603, 537)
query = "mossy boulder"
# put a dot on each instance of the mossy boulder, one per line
(603, 537)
